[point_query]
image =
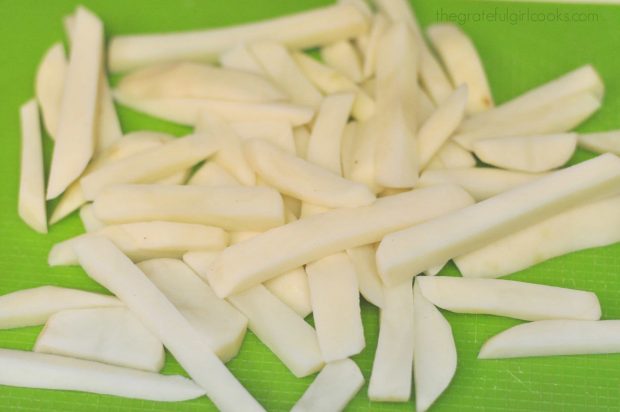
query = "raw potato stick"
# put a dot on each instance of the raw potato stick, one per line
(554, 338)
(231, 208)
(591, 225)
(240, 58)
(75, 137)
(31, 202)
(407, 253)
(452, 156)
(518, 300)
(343, 57)
(212, 174)
(604, 142)
(292, 288)
(297, 31)
(379, 25)
(89, 220)
(279, 133)
(108, 335)
(272, 253)
(370, 285)
(333, 388)
(107, 265)
(49, 84)
(43, 371)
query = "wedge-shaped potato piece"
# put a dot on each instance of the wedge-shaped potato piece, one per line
(148, 240)
(32, 307)
(371, 288)
(284, 332)
(49, 85)
(438, 128)
(591, 225)
(89, 220)
(107, 265)
(75, 139)
(31, 203)
(452, 156)
(604, 142)
(553, 338)
(339, 327)
(212, 174)
(379, 25)
(390, 380)
(221, 325)
(407, 253)
(434, 352)
(240, 58)
(480, 182)
(109, 335)
(333, 388)
(343, 57)
(279, 133)
(43, 371)
(531, 154)
(461, 60)
(200, 81)
(288, 247)
(292, 288)
(297, 31)
(231, 208)
(303, 180)
(519, 300)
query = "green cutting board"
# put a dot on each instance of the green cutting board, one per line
(519, 52)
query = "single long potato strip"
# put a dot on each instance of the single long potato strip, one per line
(231, 208)
(298, 31)
(31, 201)
(240, 58)
(212, 174)
(333, 388)
(343, 57)
(75, 136)
(518, 300)
(452, 156)
(295, 244)
(434, 351)
(32, 307)
(379, 25)
(221, 325)
(370, 285)
(89, 220)
(603, 142)
(107, 265)
(151, 165)
(554, 338)
(407, 253)
(591, 225)
(49, 84)
(282, 330)
(292, 288)
(43, 371)
(279, 133)
(108, 335)
(304, 180)
(390, 380)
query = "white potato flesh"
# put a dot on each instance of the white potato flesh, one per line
(390, 380)
(452, 156)
(603, 142)
(554, 338)
(199, 81)
(43, 371)
(441, 124)
(591, 225)
(460, 58)
(89, 220)
(279, 65)
(292, 288)
(532, 154)
(330, 81)
(108, 335)
(347, 148)
(407, 253)
(301, 135)
(303, 180)
(518, 300)
(31, 198)
(186, 111)
(371, 288)
(212, 174)
(49, 85)
(151, 165)
(425, 107)
(339, 327)
(230, 207)
(434, 351)
(582, 80)
(32, 307)
(363, 169)
(240, 58)
(288, 247)
(343, 57)
(107, 265)
(379, 25)
(480, 182)
(556, 117)
(333, 388)
(434, 271)
(303, 30)
(75, 138)
(282, 330)
(279, 133)
(148, 240)
(221, 325)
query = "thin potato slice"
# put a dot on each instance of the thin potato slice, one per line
(49, 84)
(371, 288)
(604, 142)
(343, 57)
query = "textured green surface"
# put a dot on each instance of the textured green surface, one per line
(517, 57)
